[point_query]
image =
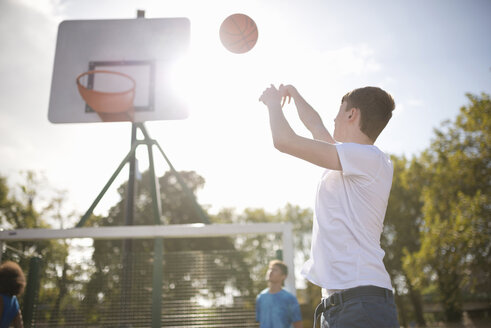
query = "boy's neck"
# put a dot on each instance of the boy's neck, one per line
(359, 138)
(274, 288)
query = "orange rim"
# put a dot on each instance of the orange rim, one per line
(120, 101)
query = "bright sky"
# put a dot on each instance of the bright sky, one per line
(427, 54)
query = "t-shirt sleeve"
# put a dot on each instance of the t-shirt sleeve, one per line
(17, 306)
(10, 310)
(296, 314)
(359, 160)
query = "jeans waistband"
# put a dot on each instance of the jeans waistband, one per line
(348, 294)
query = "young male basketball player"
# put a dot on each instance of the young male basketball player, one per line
(275, 307)
(351, 200)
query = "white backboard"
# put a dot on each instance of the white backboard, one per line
(143, 48)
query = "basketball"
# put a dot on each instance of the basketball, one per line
(238, 33)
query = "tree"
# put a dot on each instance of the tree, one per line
(401, 232)
(261, 249)
(104, 290)
(455, 233)
(29, 205)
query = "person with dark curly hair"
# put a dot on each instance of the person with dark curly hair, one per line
(12, 284)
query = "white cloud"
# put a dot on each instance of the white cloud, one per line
(400, 108)
(354, 59)
(49, 8)
(415, 103)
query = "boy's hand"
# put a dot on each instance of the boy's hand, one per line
(285, 92)
(271, 96)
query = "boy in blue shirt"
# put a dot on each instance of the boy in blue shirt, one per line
(275, 307)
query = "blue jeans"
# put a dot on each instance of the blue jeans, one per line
(362, 312)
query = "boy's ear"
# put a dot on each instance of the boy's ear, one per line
(352, 113)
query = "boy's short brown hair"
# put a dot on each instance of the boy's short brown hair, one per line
(281, 265)
(375, 105)
(12, 279)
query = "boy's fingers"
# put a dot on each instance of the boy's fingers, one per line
(284, 100)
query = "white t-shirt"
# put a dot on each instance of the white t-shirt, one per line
(348, 220)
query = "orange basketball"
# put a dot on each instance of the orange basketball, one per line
(238, 33)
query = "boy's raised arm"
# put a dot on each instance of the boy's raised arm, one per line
(308, 115)
(318, 152)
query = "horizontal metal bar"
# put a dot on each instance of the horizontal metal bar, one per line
(147, 232)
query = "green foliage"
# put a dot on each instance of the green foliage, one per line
(3, 192)
(26, 206)
(401, 232)
(259, 250)
(124, 270)
(455, 233)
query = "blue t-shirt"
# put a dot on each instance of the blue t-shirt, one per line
(277, 310)
(10, 309)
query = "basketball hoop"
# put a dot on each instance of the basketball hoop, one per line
(110, 106)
